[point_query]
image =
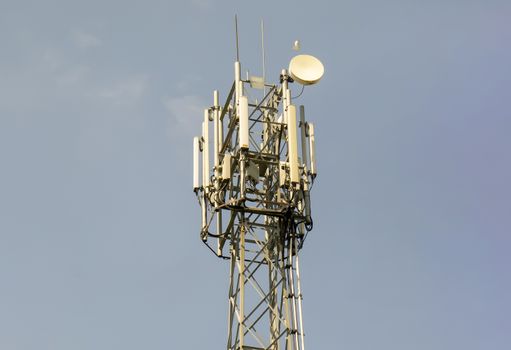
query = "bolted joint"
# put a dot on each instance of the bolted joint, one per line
(204, 234)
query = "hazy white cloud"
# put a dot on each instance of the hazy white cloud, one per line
(125, 91)
(185, 113)
(85, 40)
(202, 4)
(188, 83)
(60, 69)
(52, 60)
(72, 75)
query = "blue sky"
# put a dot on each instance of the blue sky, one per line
(99, 240)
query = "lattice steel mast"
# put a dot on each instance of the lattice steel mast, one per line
(255, 203)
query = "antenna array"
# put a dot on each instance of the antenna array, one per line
(255, 205)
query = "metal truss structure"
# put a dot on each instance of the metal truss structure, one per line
(255, 207)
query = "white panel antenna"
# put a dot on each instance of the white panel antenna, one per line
(196, 150)
(292, 144)
(243, 115)
(216, 127)
(205, 150)
(312, 149)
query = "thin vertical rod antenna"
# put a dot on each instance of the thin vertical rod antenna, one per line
(237, 43)
(264, 57)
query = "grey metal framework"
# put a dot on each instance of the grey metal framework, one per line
(255, 207)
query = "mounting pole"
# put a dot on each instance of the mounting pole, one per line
(237, 42)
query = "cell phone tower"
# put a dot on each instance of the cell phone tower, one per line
(255, 201)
